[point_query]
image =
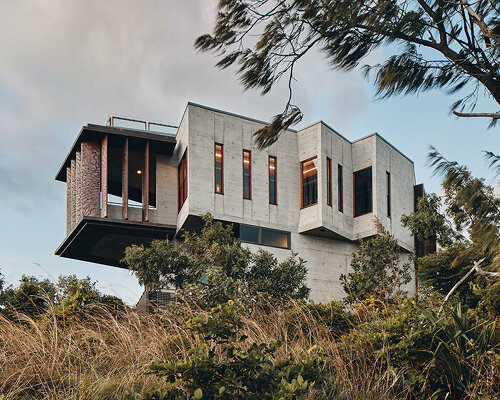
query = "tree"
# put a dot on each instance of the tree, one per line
(376, 269)
(441, 44)
(212, 267)
(32, 296)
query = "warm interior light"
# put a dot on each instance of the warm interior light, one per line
(246, 162)
(309, 170)
(218, 155)
(272, 167)
(139, 172)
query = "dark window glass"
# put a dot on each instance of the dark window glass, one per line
(249, 234)
(363, 192)
(182, 180)
(247, 174)
(274, 238)
(340, 183)
(219, 168)
(388, 175)
(309, 182)
(272, 180)
(264, 236)
(329, 180)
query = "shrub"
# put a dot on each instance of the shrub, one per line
(221, 366)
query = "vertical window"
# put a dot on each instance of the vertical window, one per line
(309, 182)
(273, 198)
(340, 188)
(329, 180)
(219, 168)
(182, 179)
(363, 191)
(247, 174)
(388, 175)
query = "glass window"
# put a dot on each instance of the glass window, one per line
(247, 174)
(249, 234)
(272, 180)
(363, 192)
(219, 168)
(182, 180)
(329, 180)
(264, 236)
(309, 182)
(388, 175)
(340, 183)
(274, 238)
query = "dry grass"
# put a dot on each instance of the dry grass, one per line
(99, 357)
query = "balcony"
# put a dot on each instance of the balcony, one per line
(111, 180)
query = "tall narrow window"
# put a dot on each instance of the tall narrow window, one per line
(363, 192)
(340, 189)
(388, 175)
(309, 182)
(247, 174)
(329, 180)
(219, 168)
(273, 195)
(182, 179)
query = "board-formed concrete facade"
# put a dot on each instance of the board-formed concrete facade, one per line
(324, 234)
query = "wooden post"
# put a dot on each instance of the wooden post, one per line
(145, 184)
(104, 177)
(125, 180)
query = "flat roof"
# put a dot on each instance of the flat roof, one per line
(161, 143)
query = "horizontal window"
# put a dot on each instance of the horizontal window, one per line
(264, 236)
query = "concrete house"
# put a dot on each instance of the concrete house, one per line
(313, 192)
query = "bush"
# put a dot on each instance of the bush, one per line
(221, 366)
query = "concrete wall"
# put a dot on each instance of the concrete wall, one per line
(327, 258)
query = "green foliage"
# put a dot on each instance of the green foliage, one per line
(427, 223)
(212, 267)
(76, 294)
(32, 297)
(220, 366)
(439, 45)
(440, 356)
(376, 269)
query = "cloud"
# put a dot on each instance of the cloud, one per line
(68, 63)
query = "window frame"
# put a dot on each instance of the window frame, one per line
(259, 241)
(354, 192)
(329, 181)
(388, 189)
(275, 172)
(221, 170)
(302, 183)
(340, 190)
(182, 195)
(249, 174)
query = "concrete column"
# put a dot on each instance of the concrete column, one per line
(73, 193)
(79, 213)
(68, 200)
(91, 179)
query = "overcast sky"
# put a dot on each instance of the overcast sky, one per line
(64, 64)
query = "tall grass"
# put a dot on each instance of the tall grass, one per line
(100, 355)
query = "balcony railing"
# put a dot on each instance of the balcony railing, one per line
(124, 122)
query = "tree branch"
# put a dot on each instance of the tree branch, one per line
(477, 115)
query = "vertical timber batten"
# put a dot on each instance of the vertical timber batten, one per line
(125, 180)
(68, 201)
(104, 176)
(145, 184)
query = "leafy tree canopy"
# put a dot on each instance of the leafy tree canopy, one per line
(377, 270)
(212, 267)
(443, 44)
